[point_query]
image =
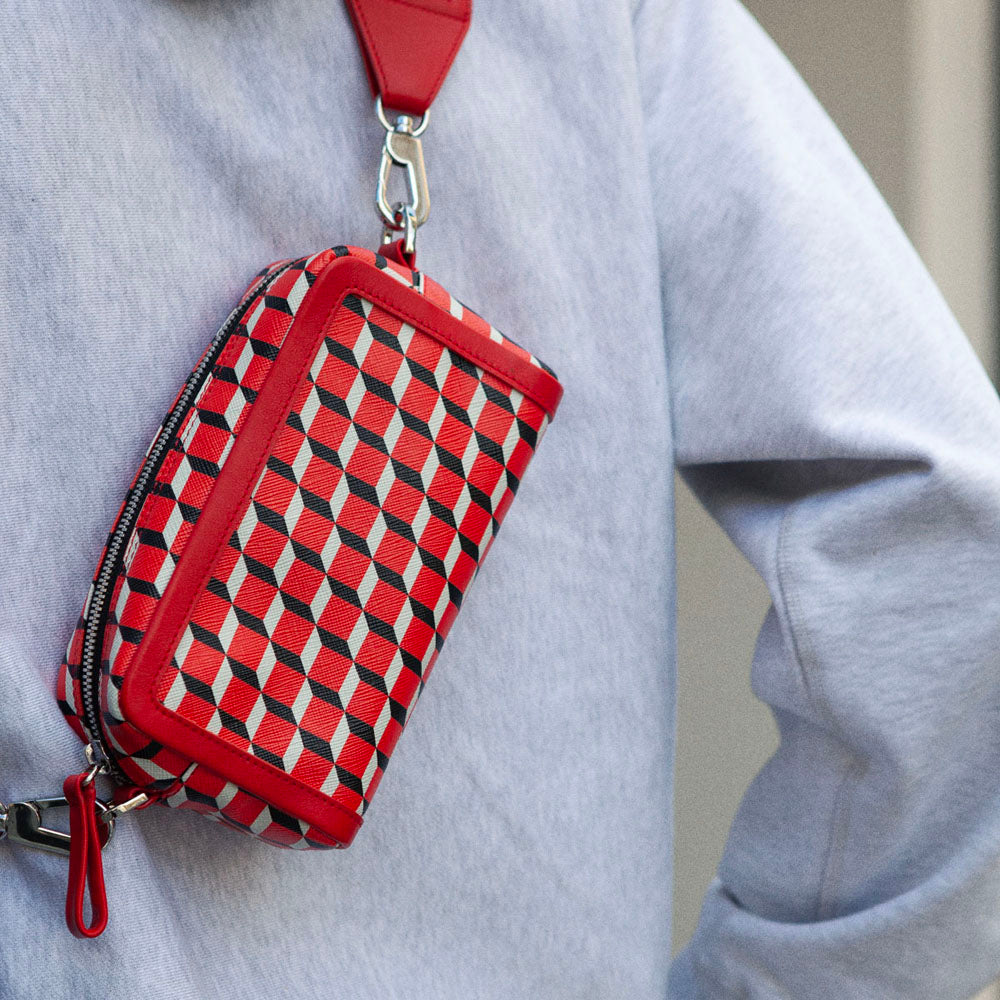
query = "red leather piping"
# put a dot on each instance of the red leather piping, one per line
(230, 497)
(409, 46)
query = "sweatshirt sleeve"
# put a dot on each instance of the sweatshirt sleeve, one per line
(831, 415)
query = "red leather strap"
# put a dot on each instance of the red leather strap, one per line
(85, 865)
(409, 46)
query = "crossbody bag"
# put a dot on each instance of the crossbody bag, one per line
(297, 542)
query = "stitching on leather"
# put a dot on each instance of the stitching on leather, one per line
(516, 381)
(370, 49)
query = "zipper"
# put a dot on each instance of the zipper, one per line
(97, 606)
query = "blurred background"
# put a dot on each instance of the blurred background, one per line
(912, 84)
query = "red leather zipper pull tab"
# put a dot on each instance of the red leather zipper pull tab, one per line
(86, 870)
(396, 251)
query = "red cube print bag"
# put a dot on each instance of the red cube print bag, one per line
(296, 544)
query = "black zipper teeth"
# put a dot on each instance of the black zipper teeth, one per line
(97, 610)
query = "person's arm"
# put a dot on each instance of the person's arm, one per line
(830, 414)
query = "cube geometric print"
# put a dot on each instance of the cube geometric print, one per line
(312, 641)
(321, 621)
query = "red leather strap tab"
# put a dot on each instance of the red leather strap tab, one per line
(396, 251)
(85, 865)
(409, 46)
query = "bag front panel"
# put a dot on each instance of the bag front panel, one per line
(323, 615)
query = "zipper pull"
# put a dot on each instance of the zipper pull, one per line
(86, 869)
(125, 797)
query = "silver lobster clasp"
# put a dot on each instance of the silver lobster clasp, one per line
(24, 823)
(402, 148)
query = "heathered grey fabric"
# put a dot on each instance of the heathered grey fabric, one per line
(652, 202)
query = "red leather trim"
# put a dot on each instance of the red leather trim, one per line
(230, 497)
(409, 46)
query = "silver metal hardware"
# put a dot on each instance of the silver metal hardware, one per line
(103, 584)
(94, 770)
(140, 799)
(380, 111)
(22, 823)
(95, 758)
(402, 148)
(408, 226)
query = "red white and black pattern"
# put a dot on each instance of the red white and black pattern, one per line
(180, 492)
(204, 792)
(320, 624)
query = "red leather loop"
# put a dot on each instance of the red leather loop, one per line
(396, 251)
(85, 865)
(409, 46)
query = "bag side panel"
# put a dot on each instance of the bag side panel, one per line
(68, 692)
